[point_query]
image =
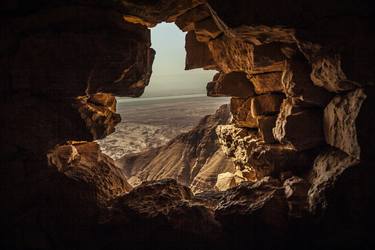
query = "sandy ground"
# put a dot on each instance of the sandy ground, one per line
(149, 123)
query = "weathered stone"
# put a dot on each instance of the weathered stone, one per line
(268, 104)
(232, 54)
(268, 58)
(328, 167)
(207, 30)
(246, 148)
(296, 190)
(266, 125)
(302, 130)
(197, 54)
(85, 162)
(267, 82)
(260, 208)
(229, 180)
(100, 119)
(297, 84)
(241, 112)
(340, 124)
(233, 84)
(186, 21)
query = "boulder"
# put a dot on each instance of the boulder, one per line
(197, 54)
(233, 84)
(241, 112)
(229, 180)
(268, 104)
(85, 162)
(256, 211)
(267, 82)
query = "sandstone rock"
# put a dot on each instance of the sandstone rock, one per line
(268, 58)
(259, 208)
(267, 82)
(85, 162)
(161, 206)
(266, 104)
(197, 54)
(327, 73)
(100, 119)
(207, 30)
(232, 54)
(328, 167)
(241, 112)
(302, 130)
(340, 124)
(233, 84)
(297, 84)
(296, 190)
(266, 125)
(246, 148)
(229, 180)
(186, 21)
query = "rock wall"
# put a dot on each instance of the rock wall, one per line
(301, 104)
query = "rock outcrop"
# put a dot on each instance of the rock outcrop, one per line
(193, 159)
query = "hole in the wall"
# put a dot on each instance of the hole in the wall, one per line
(174, 102)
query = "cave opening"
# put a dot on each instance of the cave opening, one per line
(172, 112)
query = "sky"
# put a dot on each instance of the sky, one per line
(169, 77)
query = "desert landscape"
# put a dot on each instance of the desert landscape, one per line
(151, 122)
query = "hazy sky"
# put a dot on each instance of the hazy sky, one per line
(169, 76)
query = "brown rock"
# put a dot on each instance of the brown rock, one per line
(260, 208)
(246, 148)
(267, 82)
(85, 162)
(232, 54)
(186, 21)
(266, 125)
(328, 167)
(297, 84)
(268, 58)
(266, 104)
(233, 84)
(197, 54)
(100, 119)
(241, 112)
(207, 30)
(340, 120)
(302, 130)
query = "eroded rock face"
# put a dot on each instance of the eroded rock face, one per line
(340, 122)
(197, 53)
(85, 162)
(234, 84)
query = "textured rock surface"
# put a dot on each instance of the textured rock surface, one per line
(85, 162)
(194, 158)
(233, 84)
(302, 130)
(340, 127)
(267, 82)
(241, 111)
(266, 125)
(266, 104)
(197, 53)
